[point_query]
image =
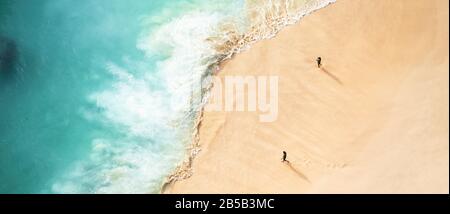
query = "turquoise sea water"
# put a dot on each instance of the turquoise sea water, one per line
(84, 107)
(101, 96)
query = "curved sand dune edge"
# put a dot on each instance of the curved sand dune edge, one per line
(373, 120)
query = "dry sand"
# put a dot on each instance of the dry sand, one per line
(373, 120)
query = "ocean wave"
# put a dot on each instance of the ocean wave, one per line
(154, 114)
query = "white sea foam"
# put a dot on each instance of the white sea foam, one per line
(153, 124)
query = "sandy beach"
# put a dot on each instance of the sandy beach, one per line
(373, 119)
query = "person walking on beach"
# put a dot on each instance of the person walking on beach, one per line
(284, 157)
(319, 61)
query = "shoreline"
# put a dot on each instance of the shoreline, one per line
(184, 170)
(369, 121)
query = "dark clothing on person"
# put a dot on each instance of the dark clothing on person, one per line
(284, 156)
(319, 62)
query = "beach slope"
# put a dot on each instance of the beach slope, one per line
(374, 119)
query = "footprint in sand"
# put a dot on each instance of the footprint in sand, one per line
(336, 165)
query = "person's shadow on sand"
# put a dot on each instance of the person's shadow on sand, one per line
(301, 175)
(331, 75)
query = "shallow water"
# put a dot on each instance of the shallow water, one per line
(101, 96)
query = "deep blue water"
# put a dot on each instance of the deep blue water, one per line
(81, 95)
(101, 96)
